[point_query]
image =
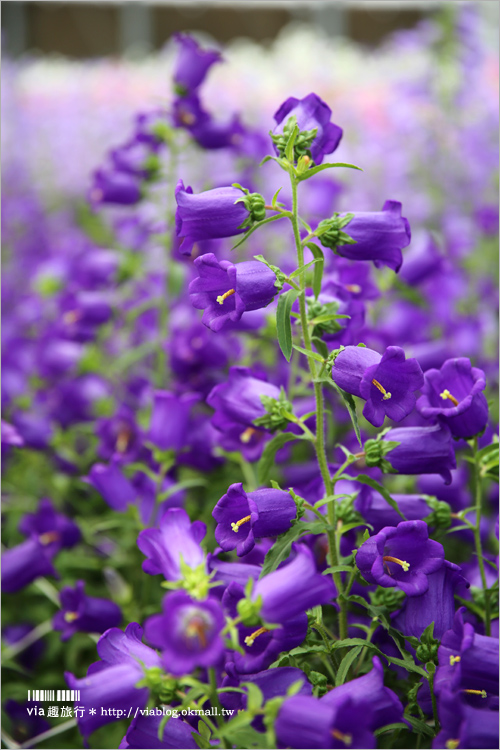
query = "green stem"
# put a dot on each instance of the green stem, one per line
(49, 733)
(320, 410)
(477, 538)
(214, 697)
(437, 726)
(31, 637)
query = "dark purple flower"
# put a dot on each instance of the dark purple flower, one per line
(170, 419)
(379, 236)
(25, 725)
(293, 588)
(114, 187)
(142, 733)
(437, 605)
(261, 646)
(209, 215)
(467, 660)
(192, 64)
(311, 113)
(188, 633)
(386, 382)
(175, 542)
(87, 614)
(112, 485)
(454, 396)
(243, 517)
(30, 656)
(422, 261)
(464, 726)
(225, 290)
(237, 402)
(304, 721)
(120, 436)
(377, 512)
(422, 450)
(54, 530)
(370, 689)
(110, 684)
(34, 427)
(401, 556)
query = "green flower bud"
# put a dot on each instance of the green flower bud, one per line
(249, 611)
(276, 417)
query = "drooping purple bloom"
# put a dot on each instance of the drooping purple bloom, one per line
(261, 646)
(304, 721)
(192, 64)
(370, 688)
(464, 726)
(401, 556)
(292, 589)
(176, 540)
(377, 512)
(188, 633)
(380, 236)
(113, 485)
(136, 158)
(209, 215)
(453, 395)
(120, 436)
(237, 402)
(422, 450)
(142, 733)
(110, 684)
(386, 382)
(243, 517)
(226, 290)
(30, 656)
(436, 605)
(422, 261)
(170, 418)
(311, 113)
(82, 613)
(467, 660)
(114, 187)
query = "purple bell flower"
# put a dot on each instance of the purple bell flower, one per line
(209, 215)
(305, 721)
(87, 614)
(243, 517)
(454, 396)
(467, 660)
(380, 236)
(237, 402)
(188, 633)
(170, 419)
(120, 436)
(225, 290)
(110, 684)
(292, 589)
(401, 556)
(25, 725)
(385, 705)
(422, 450)
(114, 187)
(261, 646)
(176, 540)
(311, 113)
(386, 382)
(437, 605)
(192, 64)
(377, 512)
(271, 682)
(464, 726)
(143, 731)
(109, 481)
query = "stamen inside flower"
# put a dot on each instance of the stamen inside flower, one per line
(345, 738)
(70, 317)
(454, 660)
(250, 638)
(123, 439)
(71, 616)
(405, 565)
(354, 288)
(96, 194)
(452, 744)
(236, 526)
(482, 693)
(247, 435)
(197, 628)
(380, 387)
(222, 297)
(187, 118)
(446, 394)
(48, 537)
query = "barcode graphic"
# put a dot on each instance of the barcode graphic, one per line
(53, 695)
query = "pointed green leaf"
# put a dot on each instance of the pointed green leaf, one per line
(345, 664)
(283, 323)
(314, 170)
(318, 268)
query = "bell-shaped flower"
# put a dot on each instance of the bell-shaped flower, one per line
(244, 517)
(173, 546)
(454, 395)
(386, 382)
(463, 725)
(422, 450)
(401, 556)
(192, 64)
(226, 290)
(318, 135)
(82, 613)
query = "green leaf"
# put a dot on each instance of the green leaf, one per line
(283, 324)
(311, 355)
(256, 226)
(298, 271)
(269, 452)
(338, 569)
(314, 170)
(318, 268)
(283, 544)
(351, 408)
(345, 664)
(365, 479)
(419, 726)
(255, 698)
(204, 730)
(390, 728)
(320, 346)
(291, 143)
